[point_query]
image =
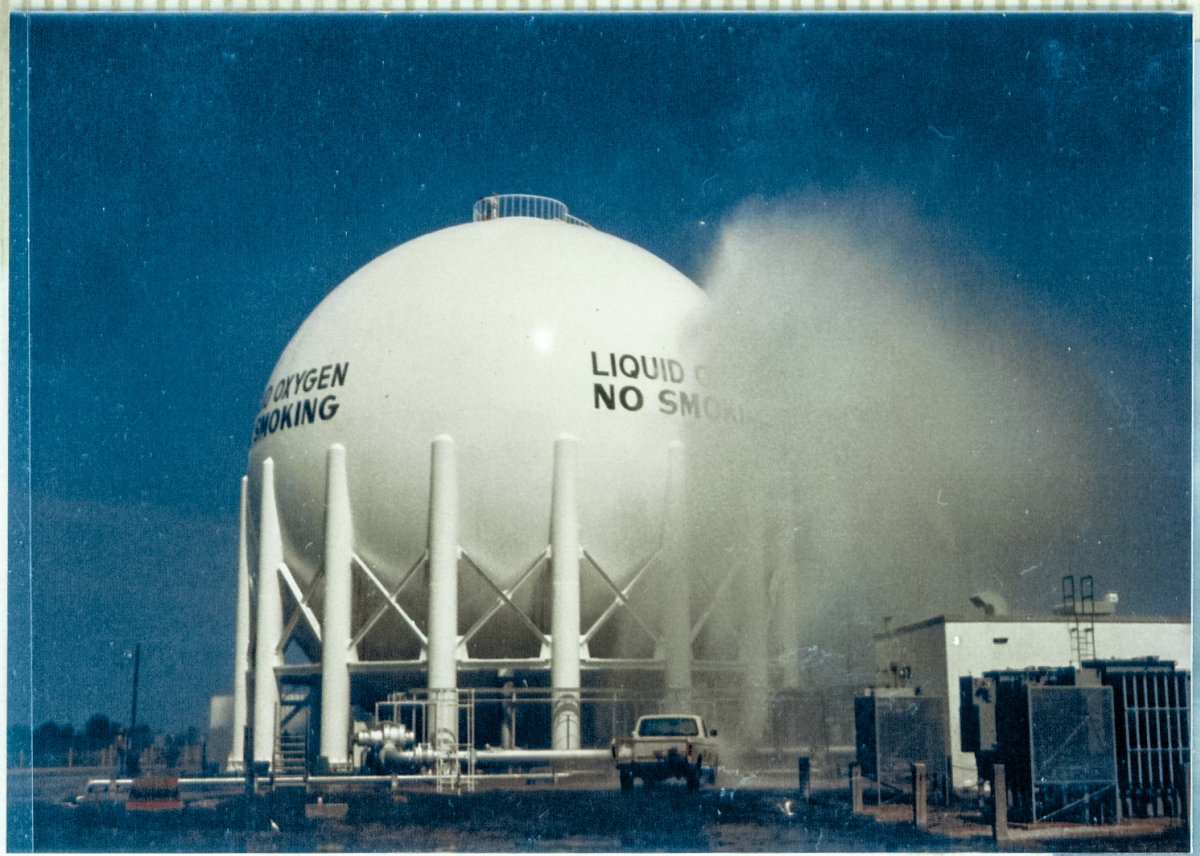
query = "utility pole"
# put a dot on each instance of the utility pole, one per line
(132, 764)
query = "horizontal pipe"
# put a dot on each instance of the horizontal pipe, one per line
(540, 756)
(300, 670)
(386, 780)
(515, 757)
(368, 780)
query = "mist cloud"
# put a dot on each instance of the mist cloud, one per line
(914, 440)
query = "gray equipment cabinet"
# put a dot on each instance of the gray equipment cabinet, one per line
(895, 729)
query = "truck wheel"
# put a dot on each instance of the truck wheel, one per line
(626, 780)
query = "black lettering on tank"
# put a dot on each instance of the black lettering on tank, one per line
(274, 423)
(627, 372)
(328, 407)
(675, 371)
(666, 402)
(646, 369)
(339, 374)
(637, 394)
(596, 368)
(323, 381)
(689, 404)
(285, 418)
(604, 394)
(310, 410)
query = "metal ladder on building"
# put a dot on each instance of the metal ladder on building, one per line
(1083, 633)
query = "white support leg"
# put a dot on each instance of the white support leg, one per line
(335, 634)
(676, 603)
(443, 595)
(564, 617)
(241, 643)
(270, 619)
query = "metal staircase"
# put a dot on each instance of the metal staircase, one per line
(291, 754)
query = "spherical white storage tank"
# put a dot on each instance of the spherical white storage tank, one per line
(504, 334)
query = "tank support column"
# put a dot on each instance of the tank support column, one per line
(270, 619)
(443, 596)
(241, 644)
(335, 634)
(564, 616)
(677, 616)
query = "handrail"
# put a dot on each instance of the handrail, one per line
(523, 205)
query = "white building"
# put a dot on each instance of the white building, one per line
(932, 655)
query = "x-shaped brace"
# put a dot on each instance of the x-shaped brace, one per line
(391, 596)
(504, 598)
(622, 596)
(302, 610)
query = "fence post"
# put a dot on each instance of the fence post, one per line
(1185, 794)
(1000, 804)
(804, 768)
(856, 789)
(920, 786)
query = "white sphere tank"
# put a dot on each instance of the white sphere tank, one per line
(504, 334)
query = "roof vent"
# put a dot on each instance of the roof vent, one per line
(523, 205)
(991, 603)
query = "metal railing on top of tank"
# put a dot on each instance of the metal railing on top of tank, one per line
(523, 205)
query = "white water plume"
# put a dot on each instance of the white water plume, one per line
(913, 440)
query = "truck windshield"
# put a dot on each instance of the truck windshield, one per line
(668, 726)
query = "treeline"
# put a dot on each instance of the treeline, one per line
(101, 743)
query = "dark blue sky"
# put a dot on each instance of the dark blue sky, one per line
(191, 186)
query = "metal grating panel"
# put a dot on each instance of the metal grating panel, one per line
(1151, 700)
(1072, 753)
(893, 732)
(1072, 735)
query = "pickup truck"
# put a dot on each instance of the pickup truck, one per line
(664, 747)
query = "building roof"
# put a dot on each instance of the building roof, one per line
(1034, 619)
